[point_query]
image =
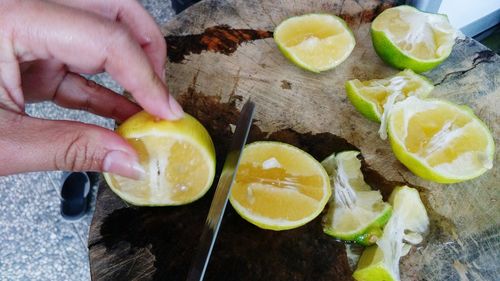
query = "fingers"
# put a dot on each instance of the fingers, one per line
(48, 80)
(11, 94)
(142, 26)
(77, 92)
(88, 43)
(30, 144)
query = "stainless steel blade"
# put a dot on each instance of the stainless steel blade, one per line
(219, 202)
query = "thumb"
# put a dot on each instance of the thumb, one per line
(29, 144)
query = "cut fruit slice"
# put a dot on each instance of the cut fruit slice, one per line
(279, 186)
(405, 37)
(369, 97)
(409, 221)
(440, 141)
(315, 42)
(178, 157)
(356, 212)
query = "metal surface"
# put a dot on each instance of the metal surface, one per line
(219, 202)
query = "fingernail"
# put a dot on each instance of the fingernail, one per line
(123, 164)
(175, 108)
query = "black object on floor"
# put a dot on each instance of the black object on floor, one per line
(181, 5)
(75, 192)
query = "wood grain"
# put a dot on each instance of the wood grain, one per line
(221, 54)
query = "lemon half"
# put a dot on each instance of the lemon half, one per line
(279, 186)
(178, 157)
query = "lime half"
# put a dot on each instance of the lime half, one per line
(315, 42)
(370, 97)
(376, 98)
(405, 37)
(440, 141)
(356, 212)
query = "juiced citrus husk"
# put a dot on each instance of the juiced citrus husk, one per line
(405, 37)
(315, 42)
(356, 212)
(440, 141)
(406, 227)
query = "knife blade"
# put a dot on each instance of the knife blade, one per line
(219, 201)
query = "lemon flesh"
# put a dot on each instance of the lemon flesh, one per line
(279, 186)
(371, 96)
(315, 42)
(405, 37)
(178, 157)
(356, 213)
(440, 141)
(406, 227)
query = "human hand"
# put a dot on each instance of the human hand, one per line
(44, 46)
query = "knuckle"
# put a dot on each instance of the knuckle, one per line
(78, 154)
(118, 34)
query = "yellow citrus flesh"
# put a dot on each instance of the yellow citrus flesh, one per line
(316, 42)
(405, 37)
(440, 141)
(279, 186)
(178, 157)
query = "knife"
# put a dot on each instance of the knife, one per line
(219, 202)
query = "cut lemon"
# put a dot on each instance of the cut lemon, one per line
(279, 186)
(406, 227)
(405, 37)
(178, 157)
(372, 96)
(356, 212)
(440, 141)
(315, 42)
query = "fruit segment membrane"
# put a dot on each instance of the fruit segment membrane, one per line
(356, 212)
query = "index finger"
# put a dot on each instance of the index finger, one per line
(89, 43)
(140, 23)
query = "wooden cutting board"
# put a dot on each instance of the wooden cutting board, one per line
(221, 52)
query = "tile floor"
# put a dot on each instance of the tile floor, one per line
(35, 242)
